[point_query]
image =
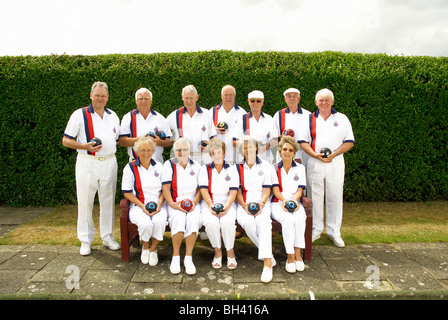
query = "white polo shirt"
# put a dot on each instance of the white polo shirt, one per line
(145, 184)
(284, 119)
(196, 128)
(288, 182)
(85, 124)
(218, 184)
(184, 182)
(253, 180)
(262, 130)
(219, 114)
(135, 125)
(330, 133)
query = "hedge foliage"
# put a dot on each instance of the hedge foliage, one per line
(398, 107)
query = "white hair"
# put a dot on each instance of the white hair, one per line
(142, 140)
(189, 89)
(141, 90)
(228, 86)
(325, 93)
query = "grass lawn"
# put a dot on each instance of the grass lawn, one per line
(385, 222)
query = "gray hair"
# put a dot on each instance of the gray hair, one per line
(141, 90)
(228, 86)
(142, 140)
(190, 89)
(325, 93)
(100, 85)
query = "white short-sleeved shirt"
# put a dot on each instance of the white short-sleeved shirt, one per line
(135, 125)
(184, 182)
(284, 119)
(85, 124)
(144, 184)
(196, 128)
(218, 184)
(330, 133)
(253, 180)
(262, 130)
(288, 182)
(219, 114)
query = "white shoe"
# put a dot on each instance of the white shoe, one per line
(153, 258)
(266, 275)
(315, 237)
(112, 245)
(290, 267)
(175, 265)
(145, 256)
(338, 242)
(300, 266)
(190, 269)
(273, 261)
(85, 249)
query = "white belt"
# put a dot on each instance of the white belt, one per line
(98, 158)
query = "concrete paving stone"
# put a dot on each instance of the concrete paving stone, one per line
(362, 286)
(104, 282)
(62, 266)
(214, 282)
(316, 280)
(8, 251)
(416, 278)
(388, 258)
(252, 289)
(159, 273)
(12, 280)
(434, 260)
(153, 288)
(45, 287)
(28, 261)
(349, 269)
(330, 252)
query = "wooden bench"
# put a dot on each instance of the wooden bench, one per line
(129, 231)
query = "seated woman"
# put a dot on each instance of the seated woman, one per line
(179, 182)
(288, 183)
(142, 184)
(219, 183)
(255, 188)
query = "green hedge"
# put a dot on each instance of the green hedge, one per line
(397, 105)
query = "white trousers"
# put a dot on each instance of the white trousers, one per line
(258, 229)
(215, 226)
(326, 181)
(149, 227)
(293, 226)
(187, 223)
(94, 176)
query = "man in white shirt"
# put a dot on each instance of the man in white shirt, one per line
(96, 165)
(194, 123)
(292, 117)
(259, 125)
(327, 128)
(144, 120)
(228, 112)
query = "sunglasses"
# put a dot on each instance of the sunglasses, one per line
(286, 150)
(183, 149)
(253, 101)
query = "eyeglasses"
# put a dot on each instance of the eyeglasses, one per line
(183, 149)
(257, 101)
(286, 150)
